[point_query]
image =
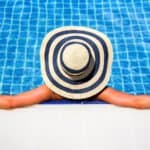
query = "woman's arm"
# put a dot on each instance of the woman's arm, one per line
(35, 96)
(123, 99)
(43, 93)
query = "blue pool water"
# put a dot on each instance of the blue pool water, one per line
(23, 25)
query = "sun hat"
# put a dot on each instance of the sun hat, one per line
(76, 61)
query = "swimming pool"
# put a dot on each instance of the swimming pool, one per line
(23, 25)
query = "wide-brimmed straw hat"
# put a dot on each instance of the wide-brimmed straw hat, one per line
(76, 61)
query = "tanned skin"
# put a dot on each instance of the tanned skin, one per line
(43, 93)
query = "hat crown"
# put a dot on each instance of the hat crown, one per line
(75, 58)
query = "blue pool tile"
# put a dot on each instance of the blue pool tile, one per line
(23, 25)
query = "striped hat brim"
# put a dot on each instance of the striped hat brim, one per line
(94, 79)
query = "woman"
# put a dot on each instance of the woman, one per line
(75, 64)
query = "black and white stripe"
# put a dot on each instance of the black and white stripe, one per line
(101, 50)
